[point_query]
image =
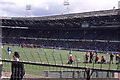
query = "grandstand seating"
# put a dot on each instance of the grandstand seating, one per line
(95, 34)
(14, 36)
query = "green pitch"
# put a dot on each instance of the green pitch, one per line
(46, 56)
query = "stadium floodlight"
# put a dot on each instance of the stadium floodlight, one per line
(29, 9)
(66, 4)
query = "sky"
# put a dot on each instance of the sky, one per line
(17, 8)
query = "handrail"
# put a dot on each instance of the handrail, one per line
(63, 66)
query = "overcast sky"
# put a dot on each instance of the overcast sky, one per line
(17, 8)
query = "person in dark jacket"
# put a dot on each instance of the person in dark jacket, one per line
(111, 57)
(117, 58)
(9, 51)
(17, 69)
(71, 60)
(86, 57)
(96, 59)
(103, 59)
(91, 56)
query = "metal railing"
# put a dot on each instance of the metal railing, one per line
(38, 70)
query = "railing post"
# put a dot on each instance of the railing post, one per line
(68, 56)
(74, 74)
(61, 74)
(88, 74)
(26, 57)
(118, 65)
(101, 66)
(61, 59)
(47, 72)
(46, 58)
(109, 65)
(54, 57)
(39, 57)
(76, 60)
(119, 76)
(84, 61)
(33, 57)
(78, 74)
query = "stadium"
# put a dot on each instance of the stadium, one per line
(35, 38)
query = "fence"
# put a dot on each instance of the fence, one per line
(61, 57)
(46, 63)
(38, 71)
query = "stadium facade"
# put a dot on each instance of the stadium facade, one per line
(98, 30)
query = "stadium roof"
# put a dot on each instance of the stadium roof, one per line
(96, 18)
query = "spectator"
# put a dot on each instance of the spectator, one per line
(103, 59)
(9, 51)
(91, 56)
(86, 57)
(17, 68)
(70, 52)
(96, 59)
(71, 60)
(53, 49)
(96, 51)
(111, 57)
(117, 58)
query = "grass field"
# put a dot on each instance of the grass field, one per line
(34, 55)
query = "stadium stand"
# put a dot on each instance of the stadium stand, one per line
(84, 31)
(91, 30)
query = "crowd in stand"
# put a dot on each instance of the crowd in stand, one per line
(93, 34)
(92, 45)
(88, 34)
